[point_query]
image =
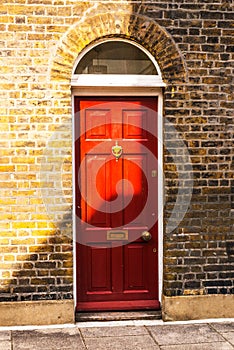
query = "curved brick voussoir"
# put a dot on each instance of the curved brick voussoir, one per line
(136, 27)
(82, 34)
(161, 45)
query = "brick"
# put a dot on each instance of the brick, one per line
(192, 284)
(19, 28)
(45, 264)
(225, 24)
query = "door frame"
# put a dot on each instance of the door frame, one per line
(133, 92)
(93, 85)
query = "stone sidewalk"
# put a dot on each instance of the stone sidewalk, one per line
(142, 335)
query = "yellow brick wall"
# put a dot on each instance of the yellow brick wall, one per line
(35, 243)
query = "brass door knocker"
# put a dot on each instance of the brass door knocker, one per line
(117, 151)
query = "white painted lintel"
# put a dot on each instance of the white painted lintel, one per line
(117, 80)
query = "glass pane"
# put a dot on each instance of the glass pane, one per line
(116, 57)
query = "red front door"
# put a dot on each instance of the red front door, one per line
(116, 201)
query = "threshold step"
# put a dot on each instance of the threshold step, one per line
(118, 316)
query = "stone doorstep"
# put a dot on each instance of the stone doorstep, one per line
(118, 316)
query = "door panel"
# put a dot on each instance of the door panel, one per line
(116, 268)
(100, 260)
(136, 179)
(134, 124)
(134, 271)
(97, 124)
(97, 218)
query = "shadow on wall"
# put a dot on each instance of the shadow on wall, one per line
(45, 272)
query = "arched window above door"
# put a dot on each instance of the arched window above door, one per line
(116, 57)
(116, 62)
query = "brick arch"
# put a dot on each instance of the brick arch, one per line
(128, 25)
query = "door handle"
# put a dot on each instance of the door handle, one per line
(146, 236)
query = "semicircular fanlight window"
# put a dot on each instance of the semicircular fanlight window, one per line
(116, 57)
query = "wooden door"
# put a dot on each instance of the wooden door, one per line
(116, 201)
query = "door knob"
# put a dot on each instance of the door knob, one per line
(146, 236)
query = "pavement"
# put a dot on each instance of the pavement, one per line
(126, 335)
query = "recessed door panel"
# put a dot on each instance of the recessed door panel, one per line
(100, 260)
(134, 124)
(134, 272)
(97, 123)
(95, 203)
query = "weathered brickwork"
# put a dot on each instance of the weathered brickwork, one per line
(199, 253)
(192, 42)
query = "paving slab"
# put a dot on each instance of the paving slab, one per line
(229, 336)
(184, 334)
(5, 335)
(223, 326)
(203, 346)
(113, 331)
(50, 339)
(5, 340)
(5, 345)
(140, 342)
